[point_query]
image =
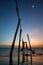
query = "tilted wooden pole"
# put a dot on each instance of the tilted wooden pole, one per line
(30, 47)
(12, 47)
(19, 45)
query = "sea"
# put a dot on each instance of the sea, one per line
(37, 59)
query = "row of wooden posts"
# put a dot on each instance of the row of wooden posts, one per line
(23, 52)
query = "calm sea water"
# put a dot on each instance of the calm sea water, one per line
(4, 57)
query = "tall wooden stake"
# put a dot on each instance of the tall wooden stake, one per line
(19, 46)
(12, 47)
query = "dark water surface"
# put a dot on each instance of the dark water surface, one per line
(4, 57)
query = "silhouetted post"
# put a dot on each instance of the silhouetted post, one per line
(17, 9)
(30, 47)
(19, 46)
(27, 53)
(12, 47)
(23, 57)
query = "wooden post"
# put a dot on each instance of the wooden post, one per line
(30, 48)
(19, 46)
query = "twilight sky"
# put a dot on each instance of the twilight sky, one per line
(31, 14)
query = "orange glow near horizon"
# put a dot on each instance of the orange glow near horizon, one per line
(33, 44)
(36, 44)
(35, 36)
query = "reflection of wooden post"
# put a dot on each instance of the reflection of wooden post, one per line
(19, 46)
(31, 57)
(24, 54)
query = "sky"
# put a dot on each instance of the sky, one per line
(31, 14)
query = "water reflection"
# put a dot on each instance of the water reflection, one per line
(4, 59)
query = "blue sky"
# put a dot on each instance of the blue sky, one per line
(31, 14)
